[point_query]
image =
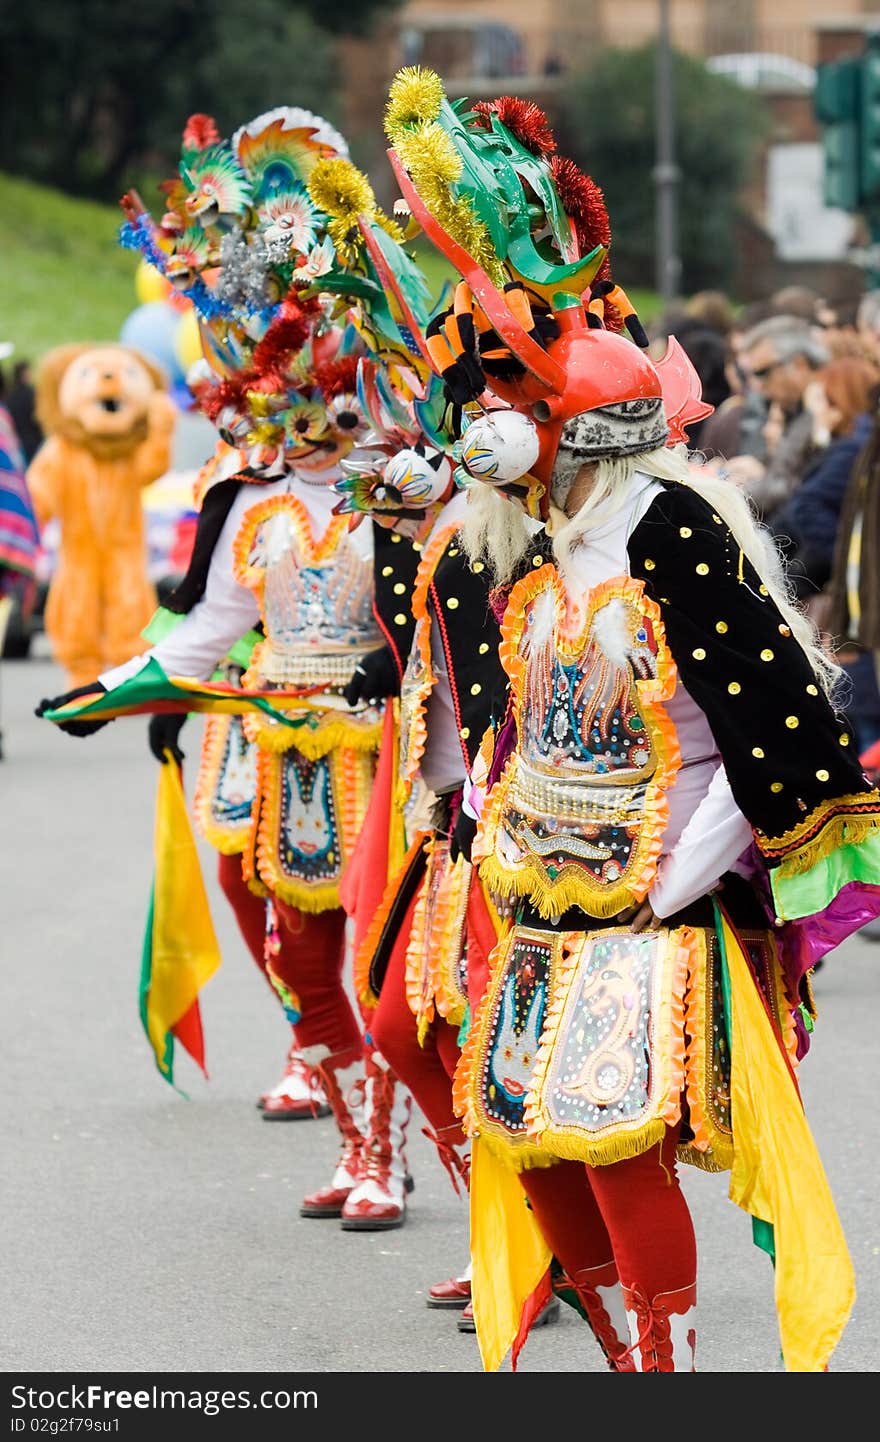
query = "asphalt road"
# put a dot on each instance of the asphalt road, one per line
(147, 1232)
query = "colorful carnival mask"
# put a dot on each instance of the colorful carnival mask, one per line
(533, 326)
(270, 236)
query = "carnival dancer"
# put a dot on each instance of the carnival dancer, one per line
(675, 816)
(223, 803)
(270, 550)
(435, 925)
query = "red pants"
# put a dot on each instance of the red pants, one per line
(632, 1211)
(310, 963)
(426, 1070)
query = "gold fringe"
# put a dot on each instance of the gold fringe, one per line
(847, 829)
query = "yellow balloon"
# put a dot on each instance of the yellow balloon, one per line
(187, 340)
(149, 284)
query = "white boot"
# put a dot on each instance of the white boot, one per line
(345, 1093)
(378, 1201)
(297, 1096)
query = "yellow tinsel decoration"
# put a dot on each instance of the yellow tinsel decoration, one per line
(434, 165)
(414, 98)
(341, 190)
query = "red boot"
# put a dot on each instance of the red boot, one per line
(346, 1103)
(378, 1201)
(297, 1096)
(454, 1292)
(601, 1296)
(662, 1329)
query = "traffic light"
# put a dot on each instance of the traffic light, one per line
(869, 116)
(837, 104)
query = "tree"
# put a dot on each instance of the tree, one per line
(96, 93)
(608, 127)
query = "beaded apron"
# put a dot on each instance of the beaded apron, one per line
(588, 1045)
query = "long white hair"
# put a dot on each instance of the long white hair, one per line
(670, 463)
(495, 531)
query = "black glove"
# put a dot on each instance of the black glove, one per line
(375, 676)
(462, 838)
(74, 728)
(162, 734)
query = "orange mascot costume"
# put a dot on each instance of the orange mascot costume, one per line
(108, 423)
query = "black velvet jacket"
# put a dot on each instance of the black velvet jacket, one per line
(790, 757)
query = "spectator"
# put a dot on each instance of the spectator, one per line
(713, 309)
(20, 400)
(736, 426)
(779, 357)
(805, 303)
(838, 401)
(868, 323)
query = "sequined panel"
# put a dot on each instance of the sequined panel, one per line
(316, 595)
(611, 1066)
(577, 817)
(309, 847)
(510, 1030)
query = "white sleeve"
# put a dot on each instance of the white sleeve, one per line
(223, 615)
(716, 835)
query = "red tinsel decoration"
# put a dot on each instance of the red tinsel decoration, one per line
(525, 120)
(201, 131)
(337, 377)
(213, 399)
(584, 202)
(288, 332)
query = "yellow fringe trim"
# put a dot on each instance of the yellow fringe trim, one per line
(228, 840)
(572, 887)
(628, 1138)
(414, 714)
(710, 1143)
(842, 822)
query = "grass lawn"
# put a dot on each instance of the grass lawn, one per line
(63, 275)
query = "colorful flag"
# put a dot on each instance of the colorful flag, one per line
(180, 946)
(778, 1177)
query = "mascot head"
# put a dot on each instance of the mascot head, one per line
(97, 396)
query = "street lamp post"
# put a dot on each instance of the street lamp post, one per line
(666, 172)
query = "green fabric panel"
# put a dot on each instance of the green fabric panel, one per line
(151, 684)
(813, 890)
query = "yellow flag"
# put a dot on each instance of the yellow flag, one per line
(777, 1176)
(180, 946)
(508, 1254)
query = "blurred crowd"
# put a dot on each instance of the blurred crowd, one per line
(795, 383)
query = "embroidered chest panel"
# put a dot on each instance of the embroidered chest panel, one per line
(315, 593)
(578, 814)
